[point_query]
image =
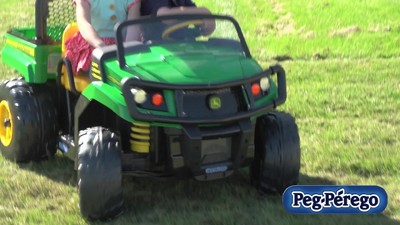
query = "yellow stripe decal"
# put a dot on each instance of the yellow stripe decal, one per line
(95, 65)
(95, 70)
(22, 47)
(96, 76)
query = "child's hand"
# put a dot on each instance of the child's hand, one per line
(208, 27)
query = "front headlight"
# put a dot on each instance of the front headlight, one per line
(139, 95)
(264, 84)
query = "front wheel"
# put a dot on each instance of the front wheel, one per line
(99, 174)
(276, 165)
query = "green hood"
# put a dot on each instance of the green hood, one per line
(193, 67)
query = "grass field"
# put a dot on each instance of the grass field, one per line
(343, 64)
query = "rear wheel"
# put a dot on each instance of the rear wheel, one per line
(99, 174)
(28, 125)
(49, 120)
(276, 164)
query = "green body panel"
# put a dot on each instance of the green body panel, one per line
(187, 63)
(112, 98)
(19, 60)
(108, 96)
(36, 63)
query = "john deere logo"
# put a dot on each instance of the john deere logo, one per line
(215, 102)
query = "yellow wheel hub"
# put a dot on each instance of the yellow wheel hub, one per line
(6, 123)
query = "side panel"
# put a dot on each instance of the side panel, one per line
(19, 55)
(36, 63)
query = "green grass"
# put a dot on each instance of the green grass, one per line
(343, 89)
(317, 29)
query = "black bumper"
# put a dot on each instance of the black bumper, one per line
(212, 152)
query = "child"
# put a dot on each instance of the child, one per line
(96, 20)
(173, 7)
(151, 7)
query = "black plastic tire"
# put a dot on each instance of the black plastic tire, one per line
(48, 117)
(33, 122)
(99, 174)
(276, 165)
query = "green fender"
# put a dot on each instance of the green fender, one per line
(108, 96)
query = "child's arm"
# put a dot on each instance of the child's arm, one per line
(165, 11)
(85, 27)
(133, 33)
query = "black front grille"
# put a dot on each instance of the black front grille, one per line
(196, 103)
(208, 92)
(216, 150)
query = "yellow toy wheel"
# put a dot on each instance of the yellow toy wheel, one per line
(6, 124)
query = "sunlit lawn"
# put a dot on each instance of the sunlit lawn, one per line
(342, 63)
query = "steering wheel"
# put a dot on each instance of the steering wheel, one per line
(189, 32)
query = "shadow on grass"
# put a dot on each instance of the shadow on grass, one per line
(59, 168)
(229, 201)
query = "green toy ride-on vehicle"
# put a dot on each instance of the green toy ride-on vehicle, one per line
(179, 104)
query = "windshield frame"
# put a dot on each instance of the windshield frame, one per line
(120, 27)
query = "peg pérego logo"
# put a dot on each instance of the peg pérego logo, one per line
(335, 199)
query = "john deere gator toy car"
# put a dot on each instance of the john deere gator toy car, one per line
(177, 104)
